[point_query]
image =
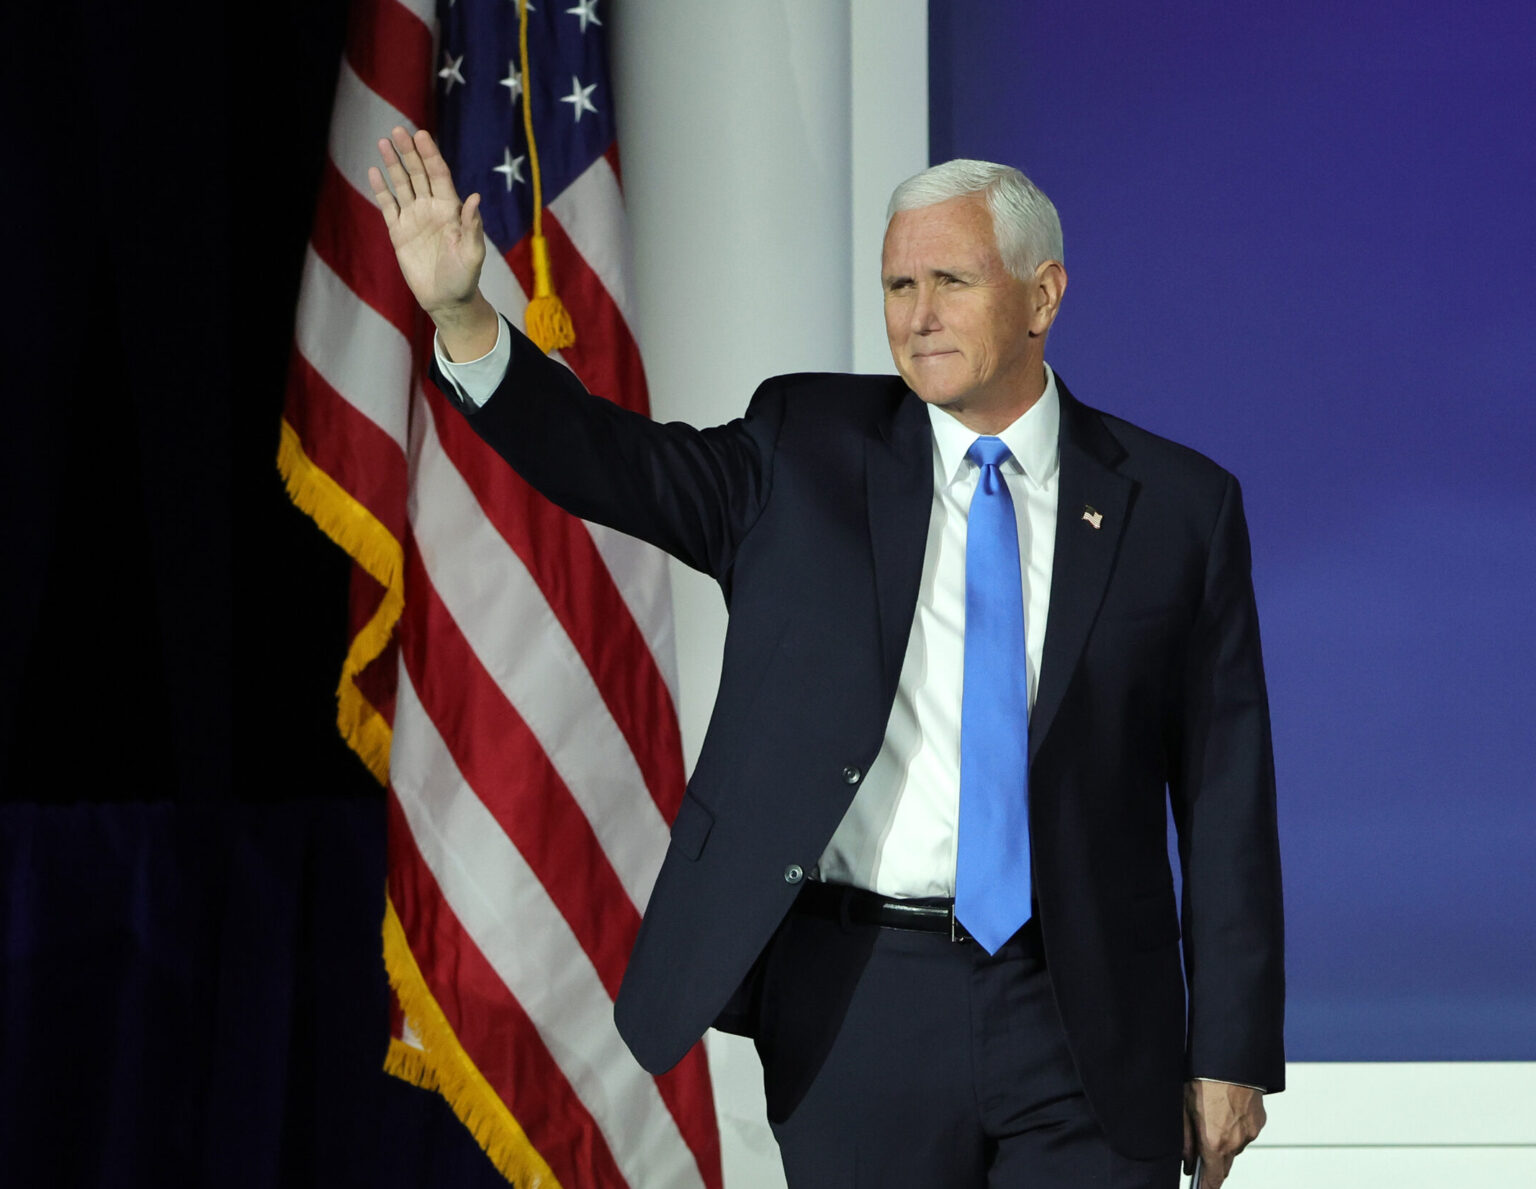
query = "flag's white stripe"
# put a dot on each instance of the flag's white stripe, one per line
(591, 209)
(505, 910)
(639, 570)
(511, 629)
(426, 10)
(358, 352)
(359, 119)
(501, 287)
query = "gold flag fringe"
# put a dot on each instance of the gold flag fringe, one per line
(442, 1064)
(373, 547)
(409, 1064)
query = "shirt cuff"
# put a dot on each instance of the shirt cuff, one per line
(1224, 1082)
(478, 379)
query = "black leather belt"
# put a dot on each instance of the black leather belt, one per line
(855, 906)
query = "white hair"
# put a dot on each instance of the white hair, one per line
(1024, 222)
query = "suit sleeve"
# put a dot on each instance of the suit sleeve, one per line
(1224, 809)
(692, 492)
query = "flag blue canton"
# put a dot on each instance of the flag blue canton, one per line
(480, 96)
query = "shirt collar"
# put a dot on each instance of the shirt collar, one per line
(1032, 439)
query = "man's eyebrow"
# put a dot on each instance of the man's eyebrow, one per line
(892, 280)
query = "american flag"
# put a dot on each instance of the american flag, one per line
(510, 673)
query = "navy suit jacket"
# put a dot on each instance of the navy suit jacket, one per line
(812, 513)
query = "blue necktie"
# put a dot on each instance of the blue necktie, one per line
(992, 868)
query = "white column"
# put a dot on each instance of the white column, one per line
(889, 109)
(734, 143)
(734, 136)
(744, 130)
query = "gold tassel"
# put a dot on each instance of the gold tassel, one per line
(547, 320)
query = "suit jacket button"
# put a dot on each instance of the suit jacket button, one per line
(852, 775)
(794, 873)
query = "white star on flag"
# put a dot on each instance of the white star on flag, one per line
(514, 81)
(580, 97)
(511, 167)
(451, 71)
(587, 11)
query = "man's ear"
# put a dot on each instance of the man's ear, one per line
(1046, 291)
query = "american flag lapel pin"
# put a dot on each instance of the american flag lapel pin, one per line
(1093, 516)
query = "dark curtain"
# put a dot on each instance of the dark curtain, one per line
(191, 862)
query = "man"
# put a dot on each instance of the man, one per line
(978, 633)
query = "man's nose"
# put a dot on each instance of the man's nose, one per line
(925, 315)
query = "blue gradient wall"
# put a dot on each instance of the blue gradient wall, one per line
(1302, 240)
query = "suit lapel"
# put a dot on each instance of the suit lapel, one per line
(1085, 553)
(898, 475)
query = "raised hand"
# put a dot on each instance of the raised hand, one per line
(438, 240)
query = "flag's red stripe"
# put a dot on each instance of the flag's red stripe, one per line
(491, 1025)
(604, 356)
(391, 51)
(350, 236)
(686, 1091)
(611, 155)
(503, 762)
(559, 554)
(347, 446)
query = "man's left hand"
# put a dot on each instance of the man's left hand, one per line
(1220, 1120)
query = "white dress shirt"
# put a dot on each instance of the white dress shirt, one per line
(899, 836)
(477, 379)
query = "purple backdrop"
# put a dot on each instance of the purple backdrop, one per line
(1303, 242)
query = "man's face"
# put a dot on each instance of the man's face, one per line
(959, 324)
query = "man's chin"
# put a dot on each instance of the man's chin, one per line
(933, 387)
(940, 398)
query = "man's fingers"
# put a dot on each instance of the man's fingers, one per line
(472, 229)
(383, 197)
(416, 172)
(1220, 1120)
(390, 155)
(416, 168)
(1215, 1171)
(439, 178)
(1189, 1146)
(1218, 1151)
